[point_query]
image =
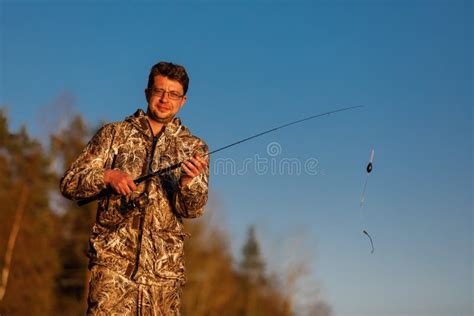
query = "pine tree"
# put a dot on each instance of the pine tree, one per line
(252, 264)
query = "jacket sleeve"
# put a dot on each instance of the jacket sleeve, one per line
(85, 177)
(190, 199)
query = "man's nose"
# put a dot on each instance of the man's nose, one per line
(164, 96)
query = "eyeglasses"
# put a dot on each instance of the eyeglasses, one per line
(173, 95)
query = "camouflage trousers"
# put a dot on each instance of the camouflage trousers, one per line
(113, 294)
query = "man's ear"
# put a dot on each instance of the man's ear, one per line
(183, 101)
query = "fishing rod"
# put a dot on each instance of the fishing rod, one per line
(177, 165)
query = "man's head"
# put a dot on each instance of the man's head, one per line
(171, 71)
(166, 91)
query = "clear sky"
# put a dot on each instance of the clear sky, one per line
(257, 64)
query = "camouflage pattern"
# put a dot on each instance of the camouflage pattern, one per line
(111, 294)
(140, 237)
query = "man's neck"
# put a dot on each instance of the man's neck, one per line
(155, 126)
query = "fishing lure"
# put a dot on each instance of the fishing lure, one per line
(369, 170)
(362, 197)
(371, 242)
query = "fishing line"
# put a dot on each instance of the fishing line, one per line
(177, 165)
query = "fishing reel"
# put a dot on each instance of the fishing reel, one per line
(132, 202)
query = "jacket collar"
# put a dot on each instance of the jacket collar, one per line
(140, 122)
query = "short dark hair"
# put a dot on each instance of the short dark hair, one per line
(171, 71)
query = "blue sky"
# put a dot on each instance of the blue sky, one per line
(256, 65)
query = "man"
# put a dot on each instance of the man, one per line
(136, 246)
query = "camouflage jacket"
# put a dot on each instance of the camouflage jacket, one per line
(140, 237)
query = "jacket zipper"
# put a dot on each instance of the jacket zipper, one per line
(139, 243)
(142, 210)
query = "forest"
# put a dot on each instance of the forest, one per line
(44, 240)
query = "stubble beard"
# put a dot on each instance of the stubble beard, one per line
(161, 120)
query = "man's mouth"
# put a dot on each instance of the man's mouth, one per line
(163, 108)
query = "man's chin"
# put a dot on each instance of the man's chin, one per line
(162, 120)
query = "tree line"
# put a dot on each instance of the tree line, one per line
(44, 240)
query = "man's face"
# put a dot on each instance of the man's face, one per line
(165, 99)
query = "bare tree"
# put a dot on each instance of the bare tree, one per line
(20, 209)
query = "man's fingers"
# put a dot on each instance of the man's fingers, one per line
(121, 189)
(201, 162)
(126, 189)
(124, 186)
(131, 184)
(194, 166)
(190, 169)
(118, 189)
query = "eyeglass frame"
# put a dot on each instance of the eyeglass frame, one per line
(172, 95)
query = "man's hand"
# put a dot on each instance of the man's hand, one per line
(193, 167)
(121, 182)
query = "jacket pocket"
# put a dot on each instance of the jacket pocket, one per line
(169, 259)
(109, 213)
